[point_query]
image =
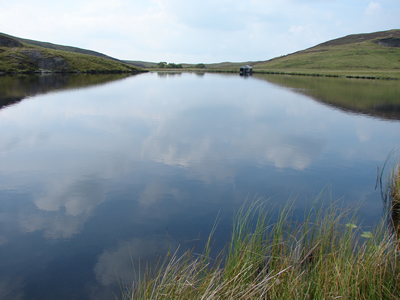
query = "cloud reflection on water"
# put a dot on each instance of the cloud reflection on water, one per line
(229, 134)
(64, 208)
(97, 140)
(79, 197)
(123, 261)
(11, 288)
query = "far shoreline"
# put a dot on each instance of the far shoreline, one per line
(382, 75)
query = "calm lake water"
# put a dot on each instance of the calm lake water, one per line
(94, 169)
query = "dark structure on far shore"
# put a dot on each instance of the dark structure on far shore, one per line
(246, 70)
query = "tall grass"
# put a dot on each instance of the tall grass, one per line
(391, 198)
(327, 256)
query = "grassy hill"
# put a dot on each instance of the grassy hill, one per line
(374, 54)
(60, 47)
(25, 56)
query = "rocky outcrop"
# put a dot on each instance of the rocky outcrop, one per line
(389, 42)
(9, 42)
(44, 62)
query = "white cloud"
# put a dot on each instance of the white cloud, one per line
(296, 29)
(373, 8)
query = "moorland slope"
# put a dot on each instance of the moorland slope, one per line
(371, 54)
(26, 56)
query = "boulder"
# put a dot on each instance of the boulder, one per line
(51, 63)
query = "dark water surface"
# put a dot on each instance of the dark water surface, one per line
(93, 169)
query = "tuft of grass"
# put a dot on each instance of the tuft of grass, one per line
(327, 256)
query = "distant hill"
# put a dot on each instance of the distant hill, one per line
(141, 64)
(22, 55)
(370, 53)
(221, 65)
(230, 64)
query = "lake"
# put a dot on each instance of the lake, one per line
(97, 171)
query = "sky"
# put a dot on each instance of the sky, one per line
(205, 31)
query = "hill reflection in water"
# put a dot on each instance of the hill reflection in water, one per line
(14, 89)
(376, 98)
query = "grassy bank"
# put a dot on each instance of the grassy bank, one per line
(390, 74)
(356, 74)
(328, 256)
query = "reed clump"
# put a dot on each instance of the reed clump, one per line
(326, 256)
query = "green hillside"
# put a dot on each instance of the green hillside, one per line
(59, 47)
(373, 54)
(17, 56)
